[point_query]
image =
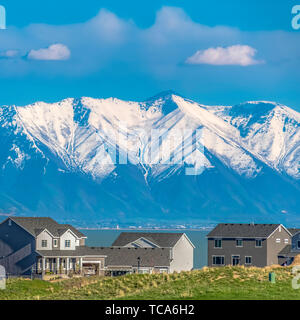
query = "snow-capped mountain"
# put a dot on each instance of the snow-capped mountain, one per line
(108, 160)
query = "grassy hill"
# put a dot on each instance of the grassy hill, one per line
(209, 283)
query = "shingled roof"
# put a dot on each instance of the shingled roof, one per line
(286, 250)
(162, 240)
(128, 257)
(80, 251)
(235, 230)
(118, 257)
(35, 225)
(293, 231)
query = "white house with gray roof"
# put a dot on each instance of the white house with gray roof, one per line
(178, 245)
(38, 245)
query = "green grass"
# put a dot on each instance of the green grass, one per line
(210, 283)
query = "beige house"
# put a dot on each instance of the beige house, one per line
(179, 247)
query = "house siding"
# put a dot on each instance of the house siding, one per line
(68, 236)
(229, 248)
(182, 255)
(273, 247)
(44, 236)
(294, 241)
(17, 248)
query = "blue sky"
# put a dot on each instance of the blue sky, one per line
(216, 52)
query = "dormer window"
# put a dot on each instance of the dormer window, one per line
(55, 242)
(44, 243)
(67, 243)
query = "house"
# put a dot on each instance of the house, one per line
(287, 254)
(246, 244)
(177, 247)
(126, 260)
(38, 245)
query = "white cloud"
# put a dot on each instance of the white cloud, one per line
(235, 55)
(54, 52)
(9, 54)
(107, 41)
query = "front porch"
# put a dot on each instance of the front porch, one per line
(68, 266)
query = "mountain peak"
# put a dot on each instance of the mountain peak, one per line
(164, 101)
(167, 94)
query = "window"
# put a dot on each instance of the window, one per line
(248, 260)
(218, 243)
(298, 244)
(286, 241)
(239, 242)
(235, 260)
(218, 260)
(144, 271)
(258, 243)
(44, 243)
(163, 270)
(55, 242)
(9, 223)
(67, 243)
(277, 240)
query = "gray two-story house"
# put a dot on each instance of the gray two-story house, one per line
(246, 244)
(30, 245)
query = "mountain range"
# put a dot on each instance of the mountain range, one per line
(94, 162)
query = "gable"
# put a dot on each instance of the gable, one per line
(160, 239)
(142, 243)
(281, 229)
(44, 235)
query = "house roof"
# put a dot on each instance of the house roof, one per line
(125, 256)
(286, 250)
(235, 230)
(35, 225)
(80, 251)
(74, 230)
(118, 256)
(163, 240)
(293, 231)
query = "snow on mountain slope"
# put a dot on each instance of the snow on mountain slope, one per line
(270, 132)
(185, 160)
(82, 135)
